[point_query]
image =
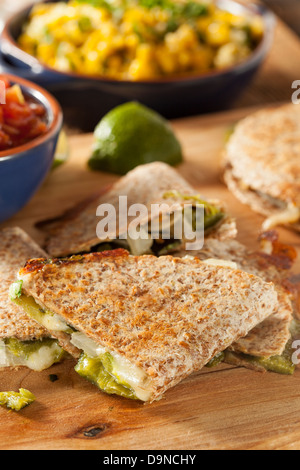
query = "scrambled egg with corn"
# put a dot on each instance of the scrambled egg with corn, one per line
(139, 39)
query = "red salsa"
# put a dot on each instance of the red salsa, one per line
(21, 118)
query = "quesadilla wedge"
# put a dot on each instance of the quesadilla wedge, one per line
(157, 187)
(268, 346)
(140, 324)
(23, 342)
(262, 165)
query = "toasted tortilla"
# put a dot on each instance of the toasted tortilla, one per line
(16, 247)
(262, 161)
(270, 337)
(166, 315)
(258, 203)
(75, 231)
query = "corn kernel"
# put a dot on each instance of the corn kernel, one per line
(218, 34)
(137, 43)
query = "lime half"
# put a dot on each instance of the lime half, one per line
(130, 135)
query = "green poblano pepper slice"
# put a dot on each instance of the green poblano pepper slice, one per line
(16, 400)
(26, 348)
(212, 214)
(41, 316)
(279, 364)
(216, 360)
(98, 371)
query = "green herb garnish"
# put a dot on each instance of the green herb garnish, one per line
(216, 360)
(15, 290)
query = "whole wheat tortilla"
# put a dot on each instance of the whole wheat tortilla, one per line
(270, 337)
(75, 231)
(16, 247)
(262, 157)
(264, 152)
(167, 315)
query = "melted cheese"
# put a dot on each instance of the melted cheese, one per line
(123, 370)
(221, 262)
(290, 215)
(39, 360)
(140, 246)
(53, 322)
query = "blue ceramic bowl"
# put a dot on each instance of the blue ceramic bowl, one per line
(24, 168)
(171, 97)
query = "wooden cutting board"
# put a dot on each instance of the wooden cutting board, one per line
(223, 408)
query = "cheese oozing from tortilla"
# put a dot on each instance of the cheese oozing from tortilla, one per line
(165, 226)
(43, 357)
(123, 371)
(290, 215)
(286, 212)
(221, 262)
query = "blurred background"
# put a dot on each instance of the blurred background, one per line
(287, 10)
(272, 83)
(266, 78)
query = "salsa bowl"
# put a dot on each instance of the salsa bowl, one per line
(23, 168)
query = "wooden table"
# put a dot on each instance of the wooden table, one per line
(223, 408)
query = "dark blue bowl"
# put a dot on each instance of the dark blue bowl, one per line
(24, 168)
(171, 97)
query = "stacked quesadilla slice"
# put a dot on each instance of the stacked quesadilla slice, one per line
(23, 342)
(138, 325)
(262, 164)
(268, 346)
(161, 191)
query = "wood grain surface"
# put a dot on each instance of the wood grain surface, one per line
(223, 408)
(288, 11)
